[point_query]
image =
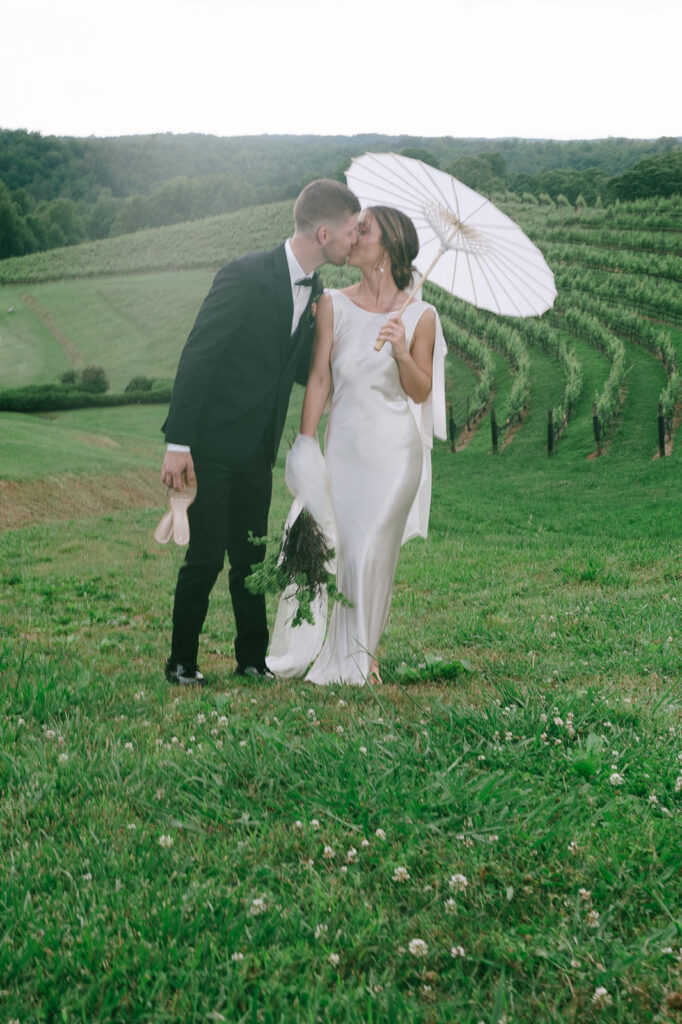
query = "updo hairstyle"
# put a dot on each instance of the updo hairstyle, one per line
(399, 239)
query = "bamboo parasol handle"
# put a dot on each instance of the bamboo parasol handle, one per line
(379, 343)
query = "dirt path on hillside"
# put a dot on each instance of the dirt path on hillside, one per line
(23, 503)
(44, 315)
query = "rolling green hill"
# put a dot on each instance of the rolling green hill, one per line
(128, 303)
(493, 833)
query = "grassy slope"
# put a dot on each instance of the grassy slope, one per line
(557, 580)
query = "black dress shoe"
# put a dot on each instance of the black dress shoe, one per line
(258, 672)
(182, 676)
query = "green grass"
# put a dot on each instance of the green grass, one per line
(128, 325)
(163, 852)
(557, 581)
(82, 442)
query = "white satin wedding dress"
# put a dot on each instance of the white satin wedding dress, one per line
(377, 474)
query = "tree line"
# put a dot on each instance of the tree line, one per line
(56, 192)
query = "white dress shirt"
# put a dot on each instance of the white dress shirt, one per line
(300, 294)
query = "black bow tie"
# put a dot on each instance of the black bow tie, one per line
(305, 282)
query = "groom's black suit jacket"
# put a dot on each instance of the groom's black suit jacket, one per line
(239, 363)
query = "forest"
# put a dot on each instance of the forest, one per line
(56, 191)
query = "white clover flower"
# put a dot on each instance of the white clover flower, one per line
(237, 957)
(21, 721)
(401, 874)
(653, 799)
(601, 997)
(328, 853)
(63, 758)
(457, 951)
(50, 734)
(678, 783)
(573, 846)
(87, 877)
(351, 855)
(584, 894)
(364, 843)
(363, 750)
(458, 882)
(258, 906)
(298, 825)
(451, 905)
(418, 947)
(593, 919)
(160, 793)
(166, 841)
(339, 729)
(616, 779)
(201, 718)
(242, 743)
(320, 931)
(333, 959)
(132, 826)
(342, 703)
(380, 834)
(314, 824)
(223, 720)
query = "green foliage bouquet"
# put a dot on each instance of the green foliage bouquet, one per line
(302, 560)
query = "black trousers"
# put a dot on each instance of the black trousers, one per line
(230, 501)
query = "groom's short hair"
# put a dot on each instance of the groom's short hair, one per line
(324, 201)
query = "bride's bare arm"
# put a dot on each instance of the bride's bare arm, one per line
(320, 379)
(415, 365)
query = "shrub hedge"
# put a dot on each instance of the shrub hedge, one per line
(52, 397)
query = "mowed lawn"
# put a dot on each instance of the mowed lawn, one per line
(492, 835)
(495, 842)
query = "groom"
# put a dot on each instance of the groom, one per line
(251, 340)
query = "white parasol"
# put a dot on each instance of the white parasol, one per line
(466, 245)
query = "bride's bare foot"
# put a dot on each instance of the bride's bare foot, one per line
(374, 676)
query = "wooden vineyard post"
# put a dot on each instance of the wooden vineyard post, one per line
(550, 433)
(451, 427)
(493, 428)
(468, 427)
(661, 431)
(595, 426)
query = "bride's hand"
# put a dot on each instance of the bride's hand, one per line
(394, 331)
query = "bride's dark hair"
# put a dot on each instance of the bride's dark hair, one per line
(399, 239)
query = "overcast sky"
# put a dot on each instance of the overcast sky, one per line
(560, 69)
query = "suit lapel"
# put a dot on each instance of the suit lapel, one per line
(283, 296)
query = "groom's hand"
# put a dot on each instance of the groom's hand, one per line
(178, 470)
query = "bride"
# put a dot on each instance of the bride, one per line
(385, 407)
